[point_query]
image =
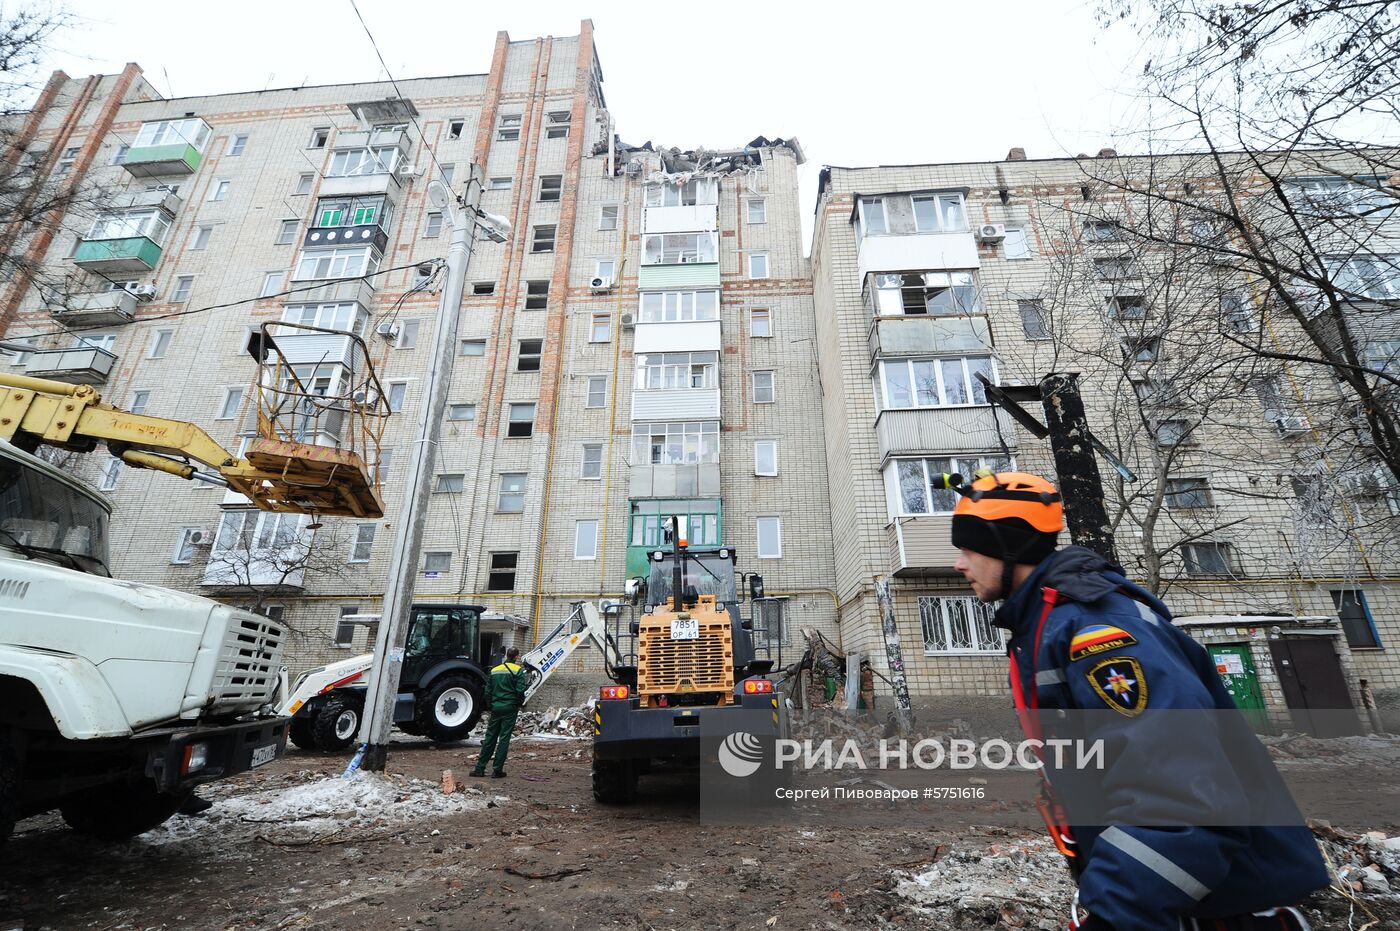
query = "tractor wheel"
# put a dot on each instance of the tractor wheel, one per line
(410, 727)
(9, 788)
(449, 708)
(338, 723)
(614, 781)
(122, 810)
(301, 731)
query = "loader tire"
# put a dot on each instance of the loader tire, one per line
(9, 788)
(449, 708)
(300, 731)
(122, 810)
(338, 723)
(614, 781)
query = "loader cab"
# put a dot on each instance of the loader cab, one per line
(437, 633)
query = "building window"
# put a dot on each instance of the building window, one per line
(447, 171)
(600, 328)
(455, 128)
(607, 217)
(363, 543)
(764, 387)
(272, 284)
(152, 224)
(511, 498)
(1102, 231)
(1034, 322)
(189, 131)
(757, 210)
(1206, 559)
(760, 322)
(346, 262)
(597, 391)
(398, 395)
(543, 240)
(319, 137)
(408, 334)
(651, 518)
(501, 577)
(1182, 493)
(220, 189)
(449, 483)
(233, 400)
(679, 249)
(473, 347)
(585, 539)
(382, 466)
(1115, 268)
(1143, 348)
(1373, 277)
(111, 472)
(691, 193)
(237, 145)
(556, 124)
(436, 564)
(948, 382)
(1359, 197)
(499, 184)
(770, 538)
(139, 400)
(483, 288)
(675, 443)
(1355, 615)
(434, 227)
(1017, 244)
(521, 420)
(287, 232)
(939, 213)
(605, 269)
(305, 182)
(356, 163)
(550, 188)
(508, 127)
(184, 547)
(1127, 308)
(1238, 316)
(20, 357)
(536, 295)
(201, 238)
(461, 412)
(765, 457)
(160, 342)
(345, 316)
(958, 625)
(119, 156)
(758, 265)
(183, 286)
(675, 306)
(1172, 432)
(353, 211)
(528, 359)
(344, 636)
(672, 370)
(910, 482)
(937, 293)
(591, 466)
(872, 216)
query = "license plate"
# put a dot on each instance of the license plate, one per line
(263, 755)
(685, 628)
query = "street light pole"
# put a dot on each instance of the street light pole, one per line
(408, 536)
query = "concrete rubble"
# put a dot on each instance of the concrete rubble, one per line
(556, 723)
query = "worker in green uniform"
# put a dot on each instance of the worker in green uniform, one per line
(505, 693)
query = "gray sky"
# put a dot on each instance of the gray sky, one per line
(861, 83)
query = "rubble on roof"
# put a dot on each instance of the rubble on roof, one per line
(677, 166)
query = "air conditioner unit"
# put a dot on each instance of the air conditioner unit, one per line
(601, 283)
(1293, 423)
(388, 330)
(627, 322)
(143, 292)
(407, 170)
(201, 537)
(991, 232)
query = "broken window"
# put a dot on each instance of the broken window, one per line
(454, 128)
(501, 578)
(543, 239)
(1127, 308)
(939, 213)
(550, 186)
(557, 124)
(1187, 493)
(937, 293)
(679, 249)
(693, 192)
(536, 295)
(508, 128)
(528, 359)
(1101, 231)
(1034, 323)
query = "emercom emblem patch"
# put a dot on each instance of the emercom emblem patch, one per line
(1091, 641)
(1120, 683)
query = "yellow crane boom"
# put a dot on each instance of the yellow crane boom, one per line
(275, 474)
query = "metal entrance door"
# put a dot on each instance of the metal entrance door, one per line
(1236, 667)
(1313, 686)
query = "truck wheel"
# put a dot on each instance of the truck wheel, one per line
(300, 731)
(9, 789)
(614, 781)
(449, 708)
(121, 811)
(338, 723)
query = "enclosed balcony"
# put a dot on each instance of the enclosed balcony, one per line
(946, 430)
(167, 147)
(678, 480)
(680, 219)
(368, 169)
(103, 308)
(125, 242)
(680, 336)
(922, 546)
(676, 386)
(675, 403)
(84, 365)
(259, 549)
(926, 335)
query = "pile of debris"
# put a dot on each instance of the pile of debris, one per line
(556, 723)
(1367, 864)
(1018, 884)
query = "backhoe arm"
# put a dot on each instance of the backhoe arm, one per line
(584, 623)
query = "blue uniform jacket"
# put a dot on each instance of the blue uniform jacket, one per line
(1191, 818)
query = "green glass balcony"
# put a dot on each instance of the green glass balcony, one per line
(132, 254)
(155, 160)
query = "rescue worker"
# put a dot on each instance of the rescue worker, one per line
(1190, 825)
(505, 693)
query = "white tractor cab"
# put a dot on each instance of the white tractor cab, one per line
(442, 685)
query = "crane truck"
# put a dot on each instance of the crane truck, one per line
(118, 698)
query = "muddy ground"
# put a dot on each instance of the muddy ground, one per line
(283, 849)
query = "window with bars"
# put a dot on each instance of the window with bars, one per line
(958, 625)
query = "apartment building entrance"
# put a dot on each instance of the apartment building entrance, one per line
(1314, 688)
(1236, 667)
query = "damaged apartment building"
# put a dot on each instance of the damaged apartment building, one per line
(640, 347)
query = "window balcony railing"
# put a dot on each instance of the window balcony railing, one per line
(84, 365)
(922, 546)
(928, 335)
(127, 255)
(154, 161)
(679, 480)
(939, 431)
(103, 308)
(367, 234)
(675, 404)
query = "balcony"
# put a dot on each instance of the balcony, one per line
(104, 308)
(335, 291)
(680, 219)
(368, 234)
(382, 182)
(129, 255)
(686, 480)
(925, 334)
(86, 365)
(373, 139)
(676, 404)
(302, 347)
(677, 336)
(140, 200)
(927, 251)
(284, 569)
(154, 161)
(678, 277)
(922, 546)
(943, 430)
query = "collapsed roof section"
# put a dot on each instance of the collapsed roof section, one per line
(676, 166)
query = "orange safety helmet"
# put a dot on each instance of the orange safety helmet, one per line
(1006, 495)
